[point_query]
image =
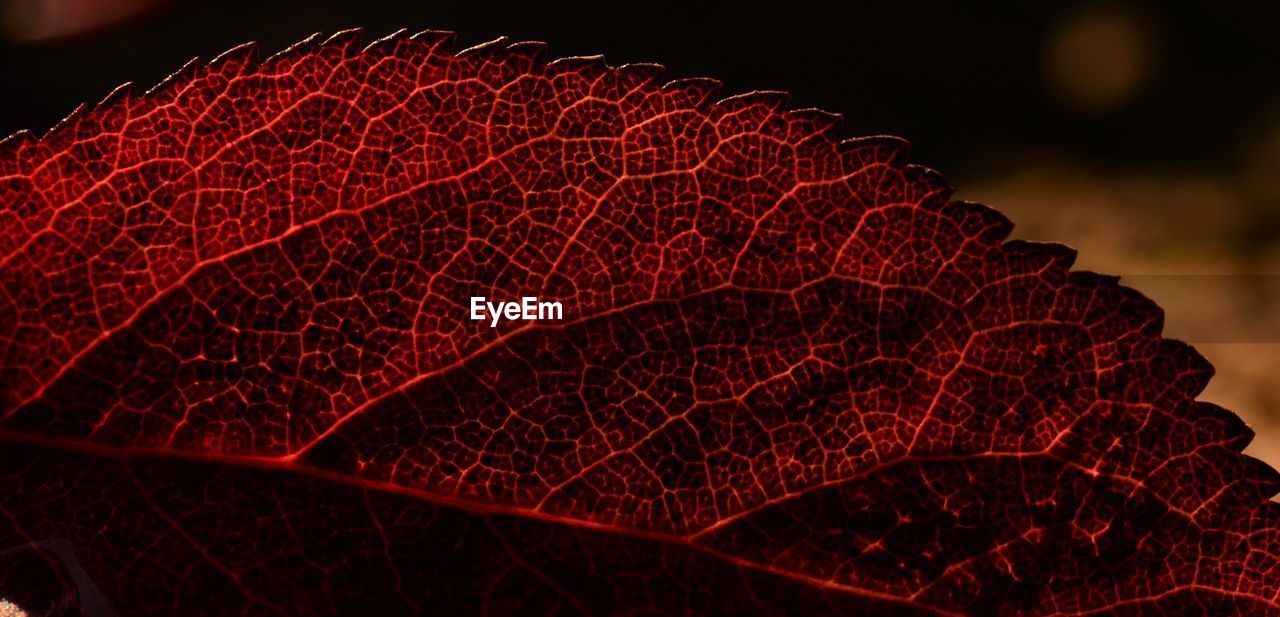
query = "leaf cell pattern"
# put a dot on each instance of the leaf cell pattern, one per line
(793, 376)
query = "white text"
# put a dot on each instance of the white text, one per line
(527, 309)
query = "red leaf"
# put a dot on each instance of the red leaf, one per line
(239, 373)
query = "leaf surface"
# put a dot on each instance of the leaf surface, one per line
(793, 377)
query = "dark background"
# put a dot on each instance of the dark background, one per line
(953, 79)
(1147, 134)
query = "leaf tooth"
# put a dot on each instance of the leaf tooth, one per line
(770, 99)
(1089, 278)
(347, 40)
(993, 226)
(175, 80)
(1263, 475)
(499, 61)
(11, 144)
(243, 55)
(932, 182)
(531, 51)
(486, 49)
(298, 49)
(122, 94)
(858, 152)
(1059, 255)
(1145, 316)
(387, 43)
(1199, 371)
(441, 39)
(698, 91)
(588, 67)
(639, 73)
(1236, 433)
(813, 122)
(53, 138)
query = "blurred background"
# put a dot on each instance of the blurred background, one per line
(1145, 134)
